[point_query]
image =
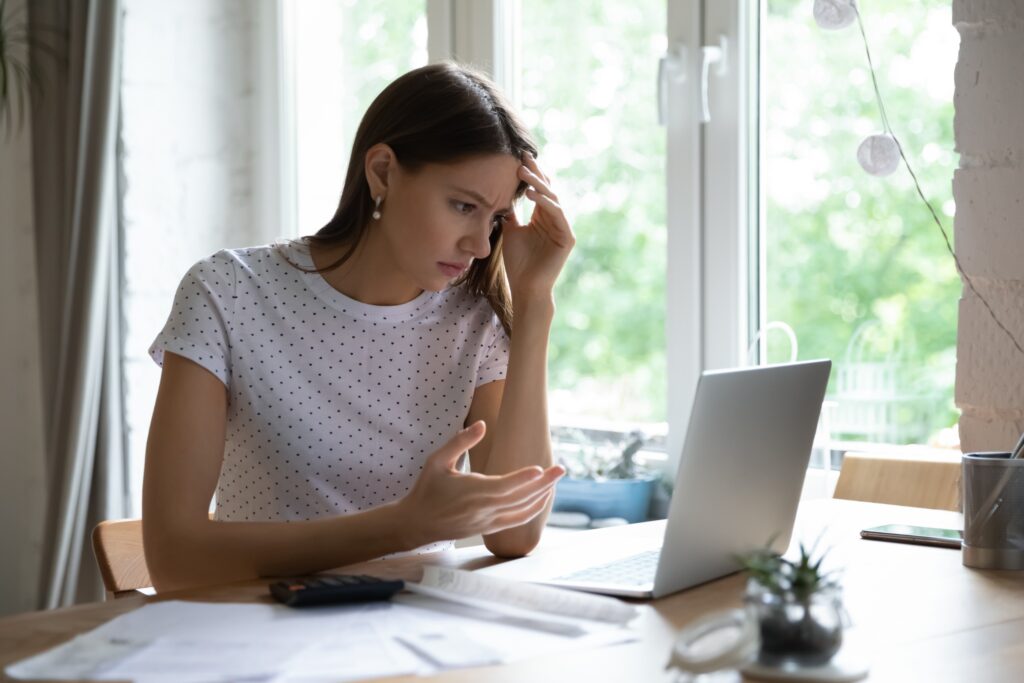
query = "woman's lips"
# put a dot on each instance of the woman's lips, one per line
(451, 270)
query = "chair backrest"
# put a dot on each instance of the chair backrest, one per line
(117, 544)
(925, 480)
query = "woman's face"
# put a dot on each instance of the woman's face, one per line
(437, 219)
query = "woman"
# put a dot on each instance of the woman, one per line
(327, 388)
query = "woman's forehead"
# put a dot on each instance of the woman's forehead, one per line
(494, 176)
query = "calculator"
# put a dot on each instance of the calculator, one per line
(333, 589)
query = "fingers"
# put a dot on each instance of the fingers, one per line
(522, 499)
(447, 455)
(517, 494)
(501, 487)
(531, 163)
(520, 516)
(552, 222)
(537, 182)
(558, 230)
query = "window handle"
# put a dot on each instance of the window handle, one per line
(710, 54)
(671, 70)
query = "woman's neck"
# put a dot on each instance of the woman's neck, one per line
(369, 276)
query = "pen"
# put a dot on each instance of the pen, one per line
(1018, 450)
(996, 498)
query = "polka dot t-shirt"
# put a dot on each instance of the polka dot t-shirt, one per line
(333, 404)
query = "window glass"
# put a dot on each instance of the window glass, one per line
(854, 264)
(346, 52)
(190, 142)
(588, 94)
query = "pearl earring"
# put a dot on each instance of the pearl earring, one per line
(376, 208)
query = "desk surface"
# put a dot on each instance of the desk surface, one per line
(918, 611)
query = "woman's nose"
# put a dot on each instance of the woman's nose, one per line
(478, 243)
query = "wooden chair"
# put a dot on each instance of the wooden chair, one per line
(926, 479)
(117, 544)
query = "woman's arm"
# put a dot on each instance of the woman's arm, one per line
(183, 460)
(185, 548)
(517, 411)
(534, 255)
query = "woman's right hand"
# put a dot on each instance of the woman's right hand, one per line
(447, 504)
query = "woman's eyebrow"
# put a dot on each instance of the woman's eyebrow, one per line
(477, 197)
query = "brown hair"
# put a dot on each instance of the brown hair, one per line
(435, 114)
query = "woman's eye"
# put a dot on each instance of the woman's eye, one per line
(462, 207)
(498, 222)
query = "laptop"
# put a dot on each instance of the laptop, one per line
(736, 489)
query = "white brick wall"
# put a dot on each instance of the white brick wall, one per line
(989, 192)
(190, 103)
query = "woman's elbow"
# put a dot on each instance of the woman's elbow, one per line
(170, 556)
(510, 545)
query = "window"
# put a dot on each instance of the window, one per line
(744, 211)
(344, 53)
(588, 90)
(854, 265)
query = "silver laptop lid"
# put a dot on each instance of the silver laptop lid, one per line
(742, 469)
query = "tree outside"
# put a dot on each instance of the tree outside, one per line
(855, 264)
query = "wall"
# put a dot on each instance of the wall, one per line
(22, 490)
(989, 192)
(191, 136)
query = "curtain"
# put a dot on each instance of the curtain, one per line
(75, 123)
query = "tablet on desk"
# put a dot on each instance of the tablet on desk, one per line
(921, 535)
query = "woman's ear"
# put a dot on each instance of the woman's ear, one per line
(379, 167)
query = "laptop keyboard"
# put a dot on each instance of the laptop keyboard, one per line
(635, 570)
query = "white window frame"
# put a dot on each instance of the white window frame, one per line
(276, 173)
(708, 282)
(707, 279)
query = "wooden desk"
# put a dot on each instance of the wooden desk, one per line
(920, 613)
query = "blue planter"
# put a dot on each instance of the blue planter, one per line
(626, 498)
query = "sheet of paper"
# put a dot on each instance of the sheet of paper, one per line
(352, 650)
(525, 596)
(449, 648)
(201, 660)
(214, 642)
(511, 641)
(80, 657)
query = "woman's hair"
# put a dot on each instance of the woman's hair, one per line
(439, 113)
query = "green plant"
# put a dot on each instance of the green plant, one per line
(17, 79)
(14, 72)
(585, 458)
(797, 606)
(796, 580)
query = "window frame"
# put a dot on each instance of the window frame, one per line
(707, 278)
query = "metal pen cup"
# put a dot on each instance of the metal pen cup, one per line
(993, 498)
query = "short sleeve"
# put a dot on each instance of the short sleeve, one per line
(494, 361)
(198, 326)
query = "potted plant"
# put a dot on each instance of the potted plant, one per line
(17, 78)
(798, 608)
(603, 478)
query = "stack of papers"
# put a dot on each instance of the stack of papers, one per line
(190, 642)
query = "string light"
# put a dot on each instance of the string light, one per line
(833, 15)
(879, 154)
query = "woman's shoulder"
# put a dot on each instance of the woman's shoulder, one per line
(462, 303)
(280, 255)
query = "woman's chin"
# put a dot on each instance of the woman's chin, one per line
(440, 284)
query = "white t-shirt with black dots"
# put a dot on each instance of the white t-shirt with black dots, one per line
(333, 404)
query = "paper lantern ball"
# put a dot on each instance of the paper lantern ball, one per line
(879, 154)
(833, 15)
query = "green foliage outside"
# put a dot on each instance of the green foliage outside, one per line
(589, 96)
(379, 46)
(846, 249)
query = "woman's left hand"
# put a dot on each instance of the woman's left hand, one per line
(535, 253)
